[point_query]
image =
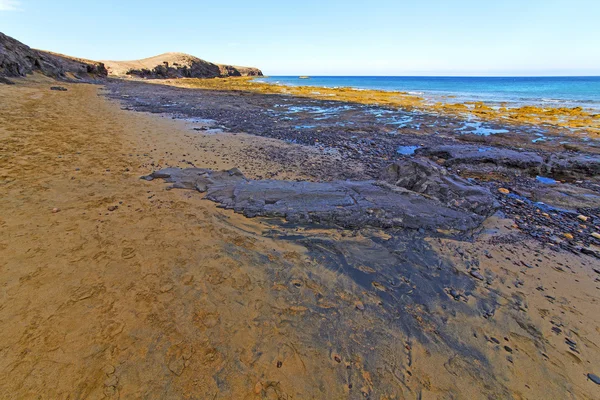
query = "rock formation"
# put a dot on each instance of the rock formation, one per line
(559, 166)
(19, 60)
(428, 200)
(176, 65)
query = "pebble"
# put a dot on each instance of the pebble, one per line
(258, 387)
(568, 236)
(112, 208)
(55, 210)
(596, 235)
(504, 191)
(359, 305)
(477, 275)
(582, 218)
(594, 378)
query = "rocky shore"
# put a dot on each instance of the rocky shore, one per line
(524, 177)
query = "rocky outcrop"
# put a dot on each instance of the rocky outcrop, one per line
(231, 70)
(176, 65)
(426, 177)
(559, 166)
(19, 60)
(433, 204)
(572, 165)
(469, 154)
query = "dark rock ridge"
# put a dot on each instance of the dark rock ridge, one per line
(440, 202)
(559, 166)
(426, 177)
(19, 60)
(177, 65)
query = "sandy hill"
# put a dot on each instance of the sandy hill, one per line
(176, 65)
(18, 59)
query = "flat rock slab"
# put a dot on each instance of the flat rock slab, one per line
(345, 203)
(569, 165)
(469, 154)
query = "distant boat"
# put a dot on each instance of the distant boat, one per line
(304, 77)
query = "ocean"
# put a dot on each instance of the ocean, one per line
(515, 91)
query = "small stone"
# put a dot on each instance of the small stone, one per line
(582, 218)
(477, 275)
(594, 378)
(55, 210)
(568, 236)
(258, 387)
(508, 349)
(359, 306)
(596, 235)
(59, 88)
(112, 208)
(337, 358)
(279, 364)
(504, 191)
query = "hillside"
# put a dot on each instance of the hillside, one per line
(176, 65)
(18, 60)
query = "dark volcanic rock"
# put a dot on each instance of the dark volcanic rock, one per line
(344, 203)
(565, 196)
(560, 166)
(572, 165)
(424, 176)
(469, 154)
(18, 60)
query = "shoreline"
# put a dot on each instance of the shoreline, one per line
(576, 120)
(434, 96)
(132, 290)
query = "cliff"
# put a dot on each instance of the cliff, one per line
(176, 65)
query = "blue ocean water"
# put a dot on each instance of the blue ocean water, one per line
(548, 91)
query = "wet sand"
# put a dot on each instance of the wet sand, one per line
(113, 287)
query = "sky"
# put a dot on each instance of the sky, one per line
(321, 37)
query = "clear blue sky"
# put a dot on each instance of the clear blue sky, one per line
(310, 37)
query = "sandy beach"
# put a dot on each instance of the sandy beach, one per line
(115, 287)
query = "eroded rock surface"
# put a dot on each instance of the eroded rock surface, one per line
(433, 203)
(560, 166)
(470, 154)
(424, 176)
(177, 65)
(19, 60)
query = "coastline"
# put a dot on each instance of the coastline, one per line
(133, 290)
(495, 91)
(576, 121)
